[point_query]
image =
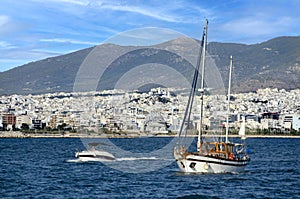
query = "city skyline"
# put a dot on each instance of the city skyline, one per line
(33, 29)
(156, 111)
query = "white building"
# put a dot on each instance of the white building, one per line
(296, 122)
(22, 119)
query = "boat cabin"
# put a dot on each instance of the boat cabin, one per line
(220, 149)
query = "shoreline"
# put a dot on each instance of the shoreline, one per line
(18, 134)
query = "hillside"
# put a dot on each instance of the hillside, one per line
(48, 75)
(274, 63)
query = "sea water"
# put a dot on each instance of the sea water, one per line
(47, 168)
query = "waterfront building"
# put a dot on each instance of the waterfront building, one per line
(22, 119)
(123, 111)
(8, 121)
(296, 122)
(292, 121)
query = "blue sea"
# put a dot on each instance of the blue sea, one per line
(47, 168)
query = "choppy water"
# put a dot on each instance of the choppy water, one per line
(43, 168)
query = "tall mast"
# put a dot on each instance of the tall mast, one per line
(200, 140)
(228, 99)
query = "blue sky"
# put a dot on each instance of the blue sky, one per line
(31, 30)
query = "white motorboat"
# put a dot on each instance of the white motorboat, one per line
(93, 154)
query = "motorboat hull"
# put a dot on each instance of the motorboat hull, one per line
(95, 155)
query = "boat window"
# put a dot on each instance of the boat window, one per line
(182, 164)
(212, 147)
(209, 147)
(192, 165)
(221, 147)
(239, 149)
(230, 148)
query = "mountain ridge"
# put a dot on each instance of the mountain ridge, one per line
(273, 63)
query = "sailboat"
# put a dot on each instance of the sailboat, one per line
(211, 156)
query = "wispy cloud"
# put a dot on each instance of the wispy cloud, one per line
(69, 41)
(6, 45)
(144, 36)
(23, 53)
(168, 11)
(5, 24)
(156, 14)
(74, 2)
(8, 26)
(34, 29)
(174, 12)
(257, 28)
(4, 19)
(10, 58)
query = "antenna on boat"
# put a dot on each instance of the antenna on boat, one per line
(228, 99)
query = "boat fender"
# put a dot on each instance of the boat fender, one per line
(206, 166)
(231, 156)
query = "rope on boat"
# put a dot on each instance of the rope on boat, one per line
(185, 125)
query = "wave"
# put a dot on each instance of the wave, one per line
(74, 160)
(117, 159)
(136, 158)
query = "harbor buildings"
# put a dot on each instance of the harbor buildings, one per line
(158, 111)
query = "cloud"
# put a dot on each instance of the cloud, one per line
(61, 26)
(255, 26)
(9, 27)
(144, 36)
(175, 12)
(169, 11)
(4, 19)
(69, 41)
(156, 14)
(22, 53)
(74, 2)
(6, 45)
(5, 24)
(258, 28)
(10, 58)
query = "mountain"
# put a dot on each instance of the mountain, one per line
(47, 75)
(274, 63)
